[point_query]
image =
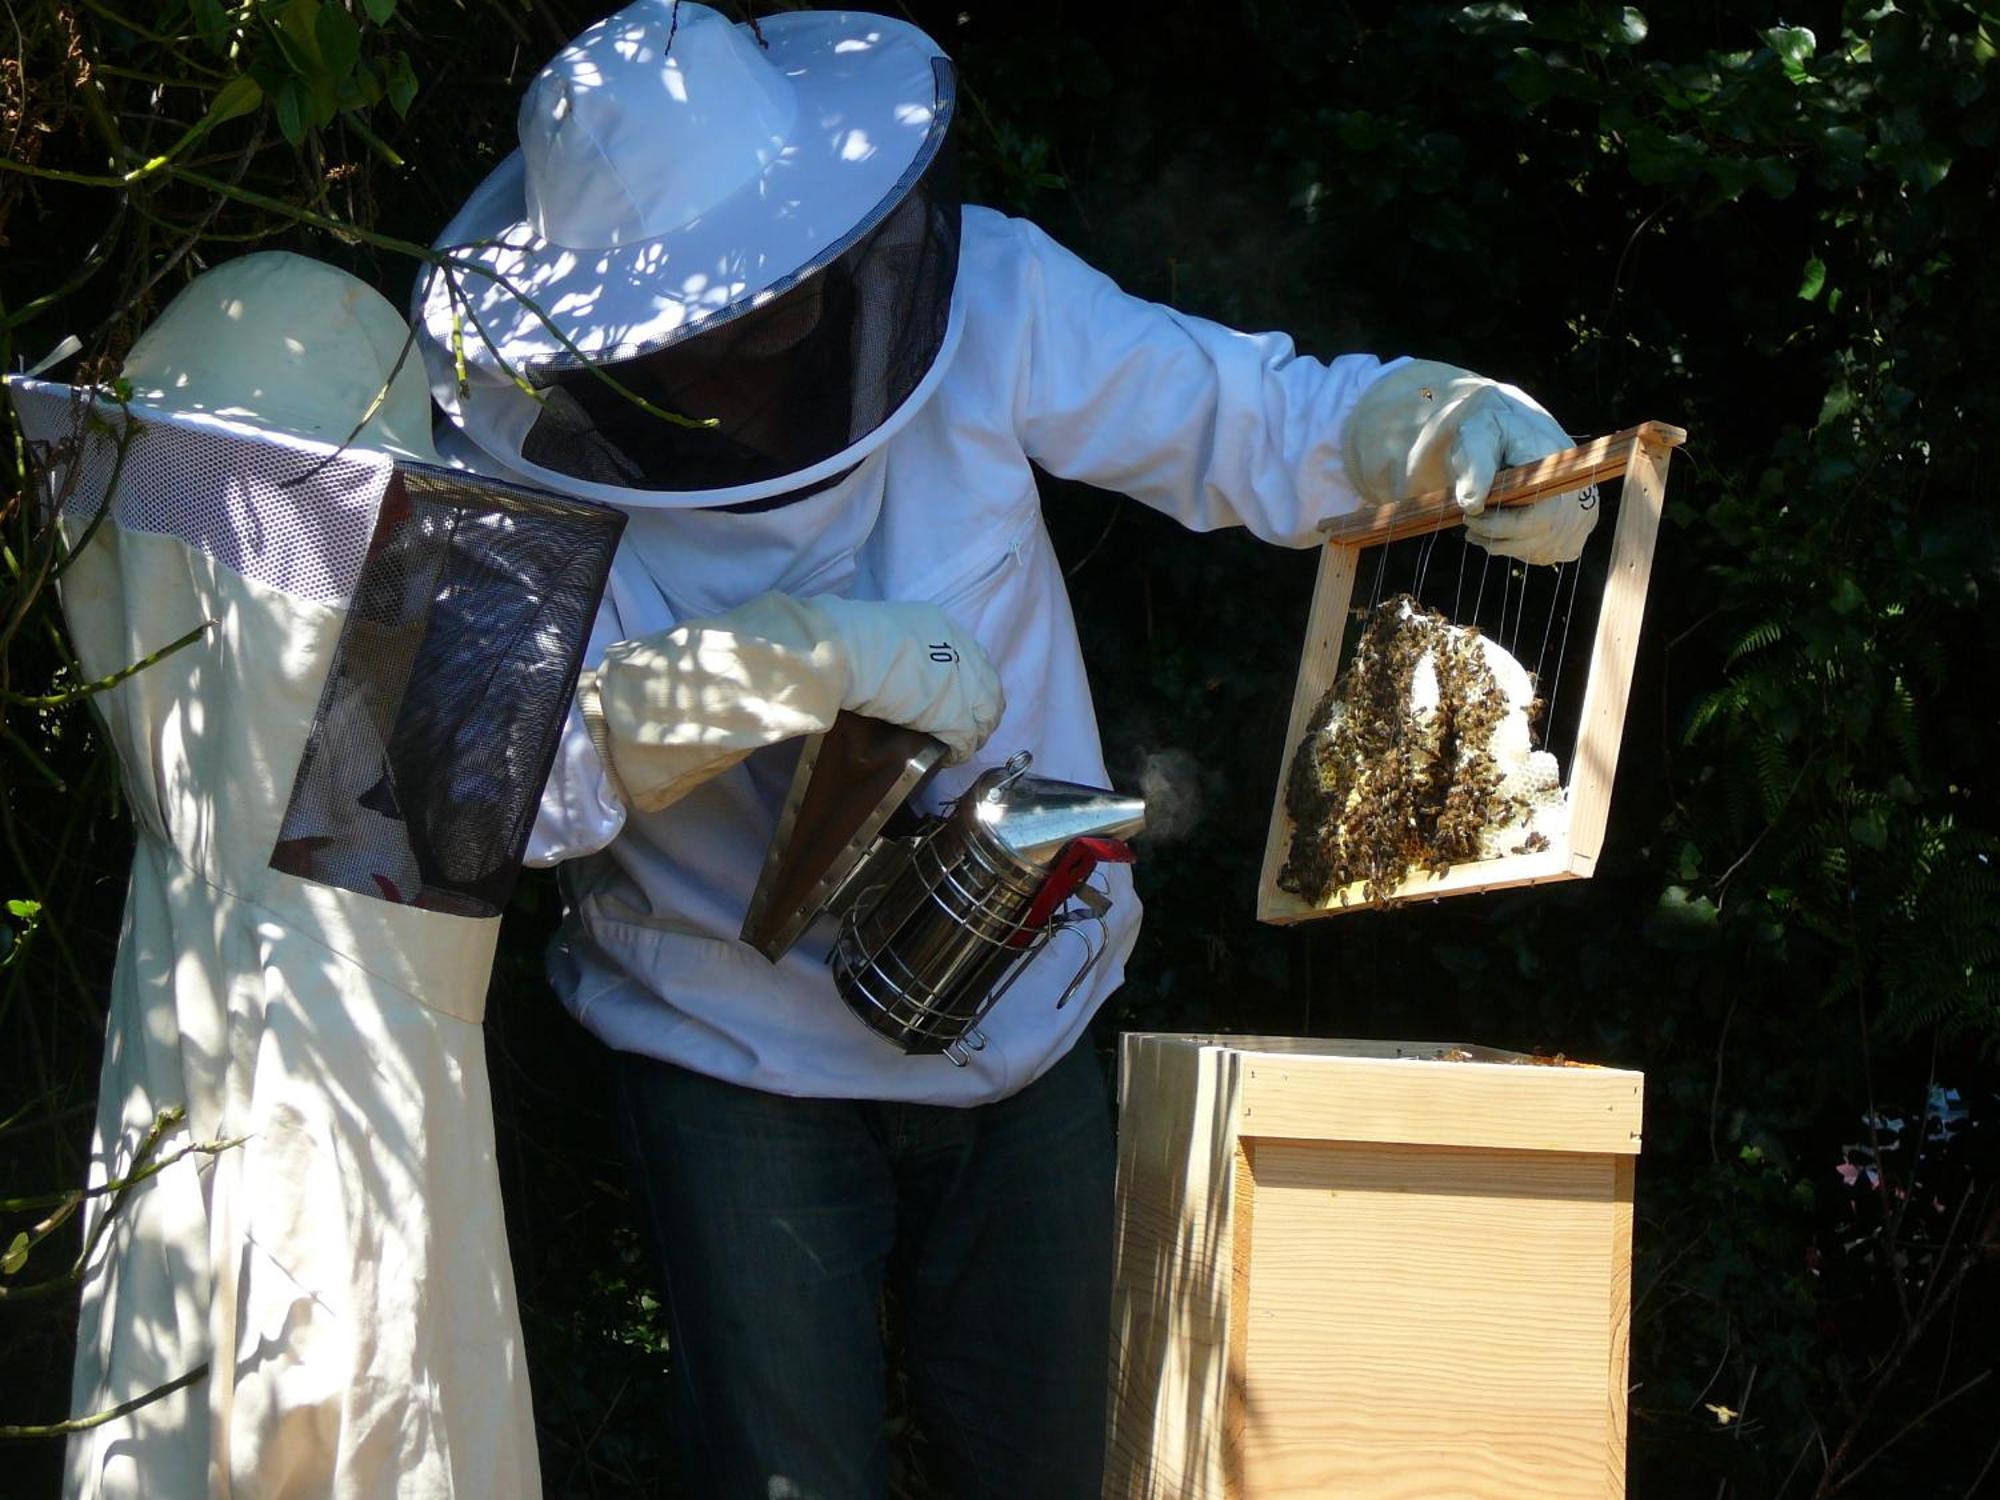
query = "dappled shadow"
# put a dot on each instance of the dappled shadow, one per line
(1173, 1369)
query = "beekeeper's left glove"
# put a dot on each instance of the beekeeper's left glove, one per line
(1426, 426)
(671, 710)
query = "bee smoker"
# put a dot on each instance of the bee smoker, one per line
(939, 915)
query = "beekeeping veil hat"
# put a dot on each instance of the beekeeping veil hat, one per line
(290, 345)
(754, 232)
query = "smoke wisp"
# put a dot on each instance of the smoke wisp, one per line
(1170, 781)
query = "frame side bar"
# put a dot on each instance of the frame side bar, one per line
(1616, 647)
(1319, 663)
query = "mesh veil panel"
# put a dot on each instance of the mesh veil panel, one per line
(788, 384)
(281, 513)
(468, 605)
(446, 699)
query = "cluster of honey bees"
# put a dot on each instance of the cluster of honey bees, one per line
(1398, 770)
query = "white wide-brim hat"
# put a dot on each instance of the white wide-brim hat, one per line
(675, 169)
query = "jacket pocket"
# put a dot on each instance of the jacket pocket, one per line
(972, 586)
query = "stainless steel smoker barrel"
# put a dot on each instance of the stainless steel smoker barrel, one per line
(946, 922)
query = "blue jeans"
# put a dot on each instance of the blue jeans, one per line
(777, 1223)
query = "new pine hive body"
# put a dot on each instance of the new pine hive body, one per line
(1377, 1270)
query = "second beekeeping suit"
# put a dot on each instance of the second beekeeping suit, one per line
(323, 840)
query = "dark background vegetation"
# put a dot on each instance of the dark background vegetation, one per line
(1776, 228)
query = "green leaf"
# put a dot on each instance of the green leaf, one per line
(1870, 829)
(1898, 38)
(1844, 141)
(1681, 920)
(296, 29)
(1731, 175)
(1775, 176)
(1794, 46)
(323, 99)
(1840, 400)
(1656, 157)
(379, 11)
(1530, 79)
(339, 39)
(16, 1256)
(1924, 164)
(291, 107)
(402, 84)
(1480, 19)
(26, 911)
(361, 90)
(237, 97)
(1813, 281)
(211, 24)
(1630, 27)
(1361, 131)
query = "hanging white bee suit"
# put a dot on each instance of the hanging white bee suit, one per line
(309, 930)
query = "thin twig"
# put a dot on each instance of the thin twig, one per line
(1981, 1249)
(104, 684)
(1910, 1426)
(194, 235)
(1715, 1093)
(110, 1414)
(70, 1197)
(1984, 1469)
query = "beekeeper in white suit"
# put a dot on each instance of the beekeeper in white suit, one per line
(335, 1277)
(733, 269)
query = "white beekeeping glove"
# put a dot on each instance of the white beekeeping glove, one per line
(1425, 427)
(671, 710)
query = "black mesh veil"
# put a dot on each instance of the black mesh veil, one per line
(788, 383)
(448, 692)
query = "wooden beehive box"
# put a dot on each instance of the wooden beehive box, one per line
(1372, 1270)
(1634, 460)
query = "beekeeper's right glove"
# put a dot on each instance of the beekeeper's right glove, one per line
(1425, 427)
(671, 710)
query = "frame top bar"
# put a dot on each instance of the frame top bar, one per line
(1572, 469)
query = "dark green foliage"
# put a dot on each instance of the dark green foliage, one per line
(1773, 226)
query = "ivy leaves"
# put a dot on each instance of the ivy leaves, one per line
(309, 61)
(1760, 119)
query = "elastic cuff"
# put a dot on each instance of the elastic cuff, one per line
(599, 729)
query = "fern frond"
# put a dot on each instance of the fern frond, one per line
(1724, 704)
(1899, 724)
(1772, 763)
(1764, 634)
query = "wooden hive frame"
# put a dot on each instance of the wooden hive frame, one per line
(1639, 457)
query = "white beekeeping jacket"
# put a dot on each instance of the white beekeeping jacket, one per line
(307, 941)
(1056, 367)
